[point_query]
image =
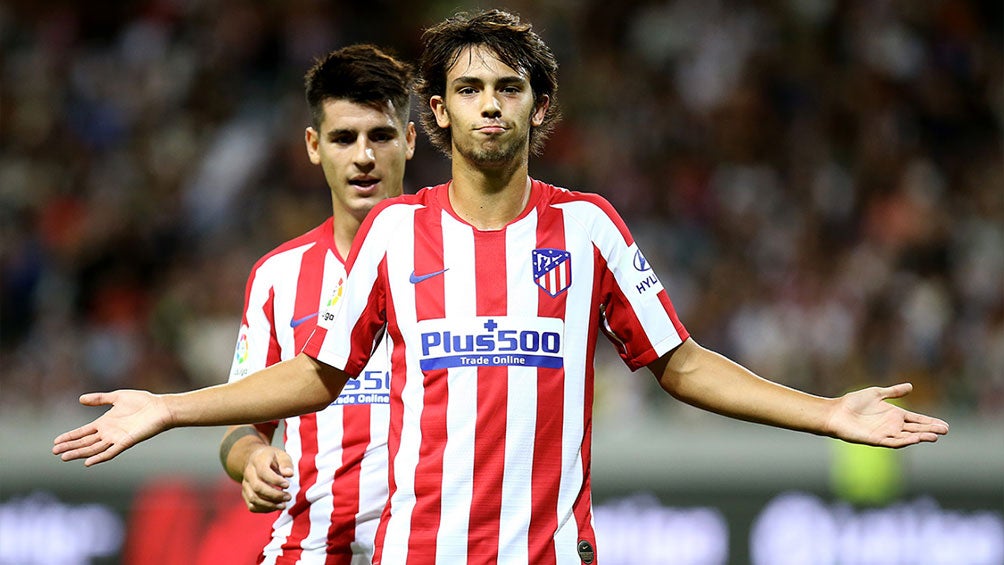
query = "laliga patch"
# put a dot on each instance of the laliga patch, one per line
(552, 270)
(327, 314)
(241, 353)
(337, 294)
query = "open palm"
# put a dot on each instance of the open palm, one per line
(135, 416)
(865, 416)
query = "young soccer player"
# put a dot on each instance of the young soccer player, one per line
(494, 288)
(330, 482)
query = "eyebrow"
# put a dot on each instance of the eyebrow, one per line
(389, 130)
(505, 80)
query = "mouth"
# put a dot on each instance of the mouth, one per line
(364, 184)
(491, 128)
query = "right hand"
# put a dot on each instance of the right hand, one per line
(265, 480)
(135, 415)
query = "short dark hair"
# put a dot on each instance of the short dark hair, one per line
(512, 41)
(362, 74)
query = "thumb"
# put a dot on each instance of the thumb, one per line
(97, 398)
(896, 391)
(285, 463)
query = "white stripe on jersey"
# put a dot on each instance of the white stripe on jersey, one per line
(516, 497)
(400, 264)
(571, 455)
(458, 458)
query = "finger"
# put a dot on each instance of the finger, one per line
(271, 494)
(106, 455)
(273, 480)
(936, 423)
(265, 507)
(256, 503)
(906, 438)
(69, 445)
(75, 434)
(267, 470)
(86, 451)
(266, 489)
(933, 427)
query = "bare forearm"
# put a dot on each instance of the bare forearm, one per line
(290, 388)
(711, 381)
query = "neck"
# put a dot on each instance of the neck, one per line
(345, 228)
(489, 198)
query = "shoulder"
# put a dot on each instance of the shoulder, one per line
(591, 210)
(320, 235)
(391, 209)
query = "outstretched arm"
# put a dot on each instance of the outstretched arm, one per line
(297, 386)
(263, 470)
(711, 381)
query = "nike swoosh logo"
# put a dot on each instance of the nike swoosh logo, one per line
(415, 279)
(298, 321)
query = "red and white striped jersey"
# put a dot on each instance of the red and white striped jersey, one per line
(492, 367)
(340, 453)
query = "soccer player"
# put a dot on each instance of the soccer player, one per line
(332, 484)
(494, 288)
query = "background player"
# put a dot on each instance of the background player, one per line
(332, 483)
(490, 448)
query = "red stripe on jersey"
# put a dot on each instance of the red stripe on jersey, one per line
(345, 487)
(364, 333)
(308, 476)
(546, 474)
(668, 305)
(399, 375)
(630, 339)
(429, 470)
(492, 405)
(308, 291)
(274, 354)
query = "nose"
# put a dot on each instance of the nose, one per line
(364, 157)
(490, 107)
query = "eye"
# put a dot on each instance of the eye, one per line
(466, 90)
(343, 138)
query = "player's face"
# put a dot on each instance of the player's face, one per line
(362, 151)
(489, 108)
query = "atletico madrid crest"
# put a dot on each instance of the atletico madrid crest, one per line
(552, 270)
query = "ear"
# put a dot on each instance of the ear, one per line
(410, 136)
(438, 105)
(312, 139)
(540, 111)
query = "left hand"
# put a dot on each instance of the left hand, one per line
(864, 416)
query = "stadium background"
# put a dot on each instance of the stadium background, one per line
(819, 184)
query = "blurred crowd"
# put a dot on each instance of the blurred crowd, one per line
(819, 183)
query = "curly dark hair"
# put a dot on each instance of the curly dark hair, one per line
(362, 74)
(512, 41)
